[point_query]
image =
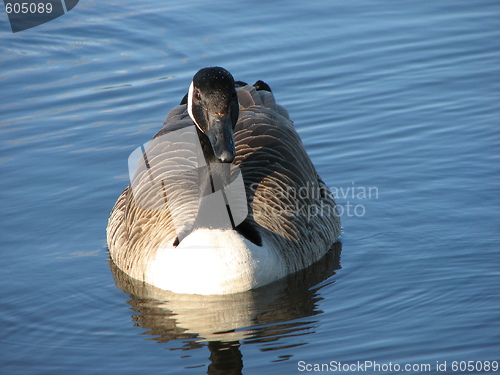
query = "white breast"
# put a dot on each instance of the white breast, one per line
(212, 261)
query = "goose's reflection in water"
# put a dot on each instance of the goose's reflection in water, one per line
(223, 322)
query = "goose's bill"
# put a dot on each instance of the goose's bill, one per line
(220, 135)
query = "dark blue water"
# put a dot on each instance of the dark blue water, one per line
(398, 106)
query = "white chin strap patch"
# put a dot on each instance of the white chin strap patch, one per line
(190, 104)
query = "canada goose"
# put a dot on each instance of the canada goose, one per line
(224, 198)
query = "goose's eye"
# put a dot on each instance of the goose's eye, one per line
(197, 95)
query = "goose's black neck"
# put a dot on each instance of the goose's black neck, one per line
(206, 147)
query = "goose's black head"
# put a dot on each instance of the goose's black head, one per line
(213, 106)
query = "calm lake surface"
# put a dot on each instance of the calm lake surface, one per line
(398, 105)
